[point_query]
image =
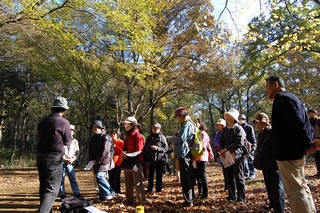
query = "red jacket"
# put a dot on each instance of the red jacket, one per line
(134, 142)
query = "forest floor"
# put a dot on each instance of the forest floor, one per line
(19, 193)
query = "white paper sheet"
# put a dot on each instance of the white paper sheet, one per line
(89, 165)
(93, 209)
(227, 161)
(132, 154)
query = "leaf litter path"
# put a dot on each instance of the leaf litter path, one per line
(19, 193)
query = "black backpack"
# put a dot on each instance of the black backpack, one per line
(74, 205)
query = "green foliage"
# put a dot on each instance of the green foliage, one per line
(112, 59)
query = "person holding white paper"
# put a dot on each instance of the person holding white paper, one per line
(233, 141)
(133, 142)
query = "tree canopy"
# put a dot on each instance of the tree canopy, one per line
(145, 58)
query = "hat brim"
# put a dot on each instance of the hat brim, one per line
(63, 107)
(229, 114)
(257, 121)
(176, 115)
(98, 126)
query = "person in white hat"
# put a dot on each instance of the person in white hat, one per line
(233, 141)
(221, 126)
(132, 166)
(54, 133)
(70, 160)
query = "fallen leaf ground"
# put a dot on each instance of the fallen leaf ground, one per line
(19, 193)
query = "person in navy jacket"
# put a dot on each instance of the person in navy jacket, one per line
(293, 137)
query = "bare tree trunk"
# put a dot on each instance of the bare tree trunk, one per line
(130, 99)
(16, 131)
(151, 107)
(14, 144)
(212, 123)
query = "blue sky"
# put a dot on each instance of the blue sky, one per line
(242, 12)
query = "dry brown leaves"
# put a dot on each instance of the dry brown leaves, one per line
(19, 190)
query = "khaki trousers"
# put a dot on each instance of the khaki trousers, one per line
(295, 186)
(133, 180)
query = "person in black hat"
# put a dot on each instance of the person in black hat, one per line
(156, 145)
(101, 151)
(54, 133)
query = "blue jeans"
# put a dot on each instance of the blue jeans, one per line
(104, 187)
(69, 170)
(248, 167)
(50, 174)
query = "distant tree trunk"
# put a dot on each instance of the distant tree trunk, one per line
(130, 99)
(212, 123)
(24, 138)
(151, 107)
(16, 130)
(14, 144)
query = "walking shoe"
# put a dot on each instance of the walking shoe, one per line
(252, 177)
(112, 196)
(187, 204)
(79, 197)
(130, 202)
(145, 202)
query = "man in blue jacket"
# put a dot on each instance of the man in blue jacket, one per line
(182, 143)
(293, 136)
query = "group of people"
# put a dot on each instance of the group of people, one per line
(58, 152)
(282, 150)
(281, 147)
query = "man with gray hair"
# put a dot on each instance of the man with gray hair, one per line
(54, 133)
(293, 136)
